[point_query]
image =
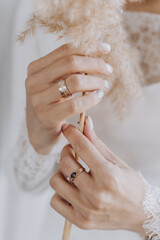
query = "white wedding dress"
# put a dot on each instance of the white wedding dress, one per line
(28, 215)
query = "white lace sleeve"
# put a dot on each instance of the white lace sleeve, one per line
(33, 171)
(144, 34)
(151, 205)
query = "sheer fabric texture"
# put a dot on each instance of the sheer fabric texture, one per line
(151, 205)
(31, 169)
(145, 35)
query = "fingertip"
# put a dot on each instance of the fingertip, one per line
(100, 94)
(109, 69)
(85, 122)
(90, 122)
(105, 47)
(89, 127)
(64, 127)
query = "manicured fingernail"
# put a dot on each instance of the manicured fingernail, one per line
(105, 47)
(100, 94)
(68, 179)
(90, 122)
(107, 84)
(64, 127)
(109, 68)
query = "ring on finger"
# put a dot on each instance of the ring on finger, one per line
(63, 89)
(75, 174)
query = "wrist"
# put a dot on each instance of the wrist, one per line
(139, 217)
(44, 140)
(138, 213)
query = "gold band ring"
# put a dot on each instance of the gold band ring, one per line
(63, 89)
(75, 174)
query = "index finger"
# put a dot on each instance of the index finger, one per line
(84, 148)
(63, 51)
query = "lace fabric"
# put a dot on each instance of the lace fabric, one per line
(32, 169)
(151, 205)
(144, 34)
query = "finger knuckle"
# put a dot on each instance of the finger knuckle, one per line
(82, 145)
(84, 225)
(35, 101)
(30, 68)
(99, 168)
(78, 82)
(109, 202)
(74, 106)
(93, 100)
(29, 84)
(63, 164)
(53, 203)
(89, 215)
(39, 108)
(54, 182)
(72, 62)
(113, 182)
(101, 84)
(100, 64)
(65, 150)
(67, 47)
(100, 200)
(96, 140)
(75, 82)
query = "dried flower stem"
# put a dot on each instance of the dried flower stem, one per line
(68, 225)
(84, 23)
(67, 230)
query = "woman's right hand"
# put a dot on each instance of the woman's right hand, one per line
(46, 109)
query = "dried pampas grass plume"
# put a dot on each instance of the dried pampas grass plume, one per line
(83, 23)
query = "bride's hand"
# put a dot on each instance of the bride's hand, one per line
(109, 197)
(46, 109)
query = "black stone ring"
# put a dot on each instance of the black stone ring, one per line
(75, 174)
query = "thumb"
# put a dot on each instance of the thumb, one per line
(89, 129)
(98, 143)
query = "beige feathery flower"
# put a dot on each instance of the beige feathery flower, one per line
(83, 23)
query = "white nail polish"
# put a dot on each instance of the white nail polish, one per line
(109, 68)
(107, 84)
(68, 179)
(100, 94)
(90, 122)
(105, 47)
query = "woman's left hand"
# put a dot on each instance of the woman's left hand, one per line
(109, 197)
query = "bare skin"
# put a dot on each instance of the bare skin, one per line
(95, 206)
(46, 109)
(42, 110)
(109, 197)
(45, 118)
(151, 6)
